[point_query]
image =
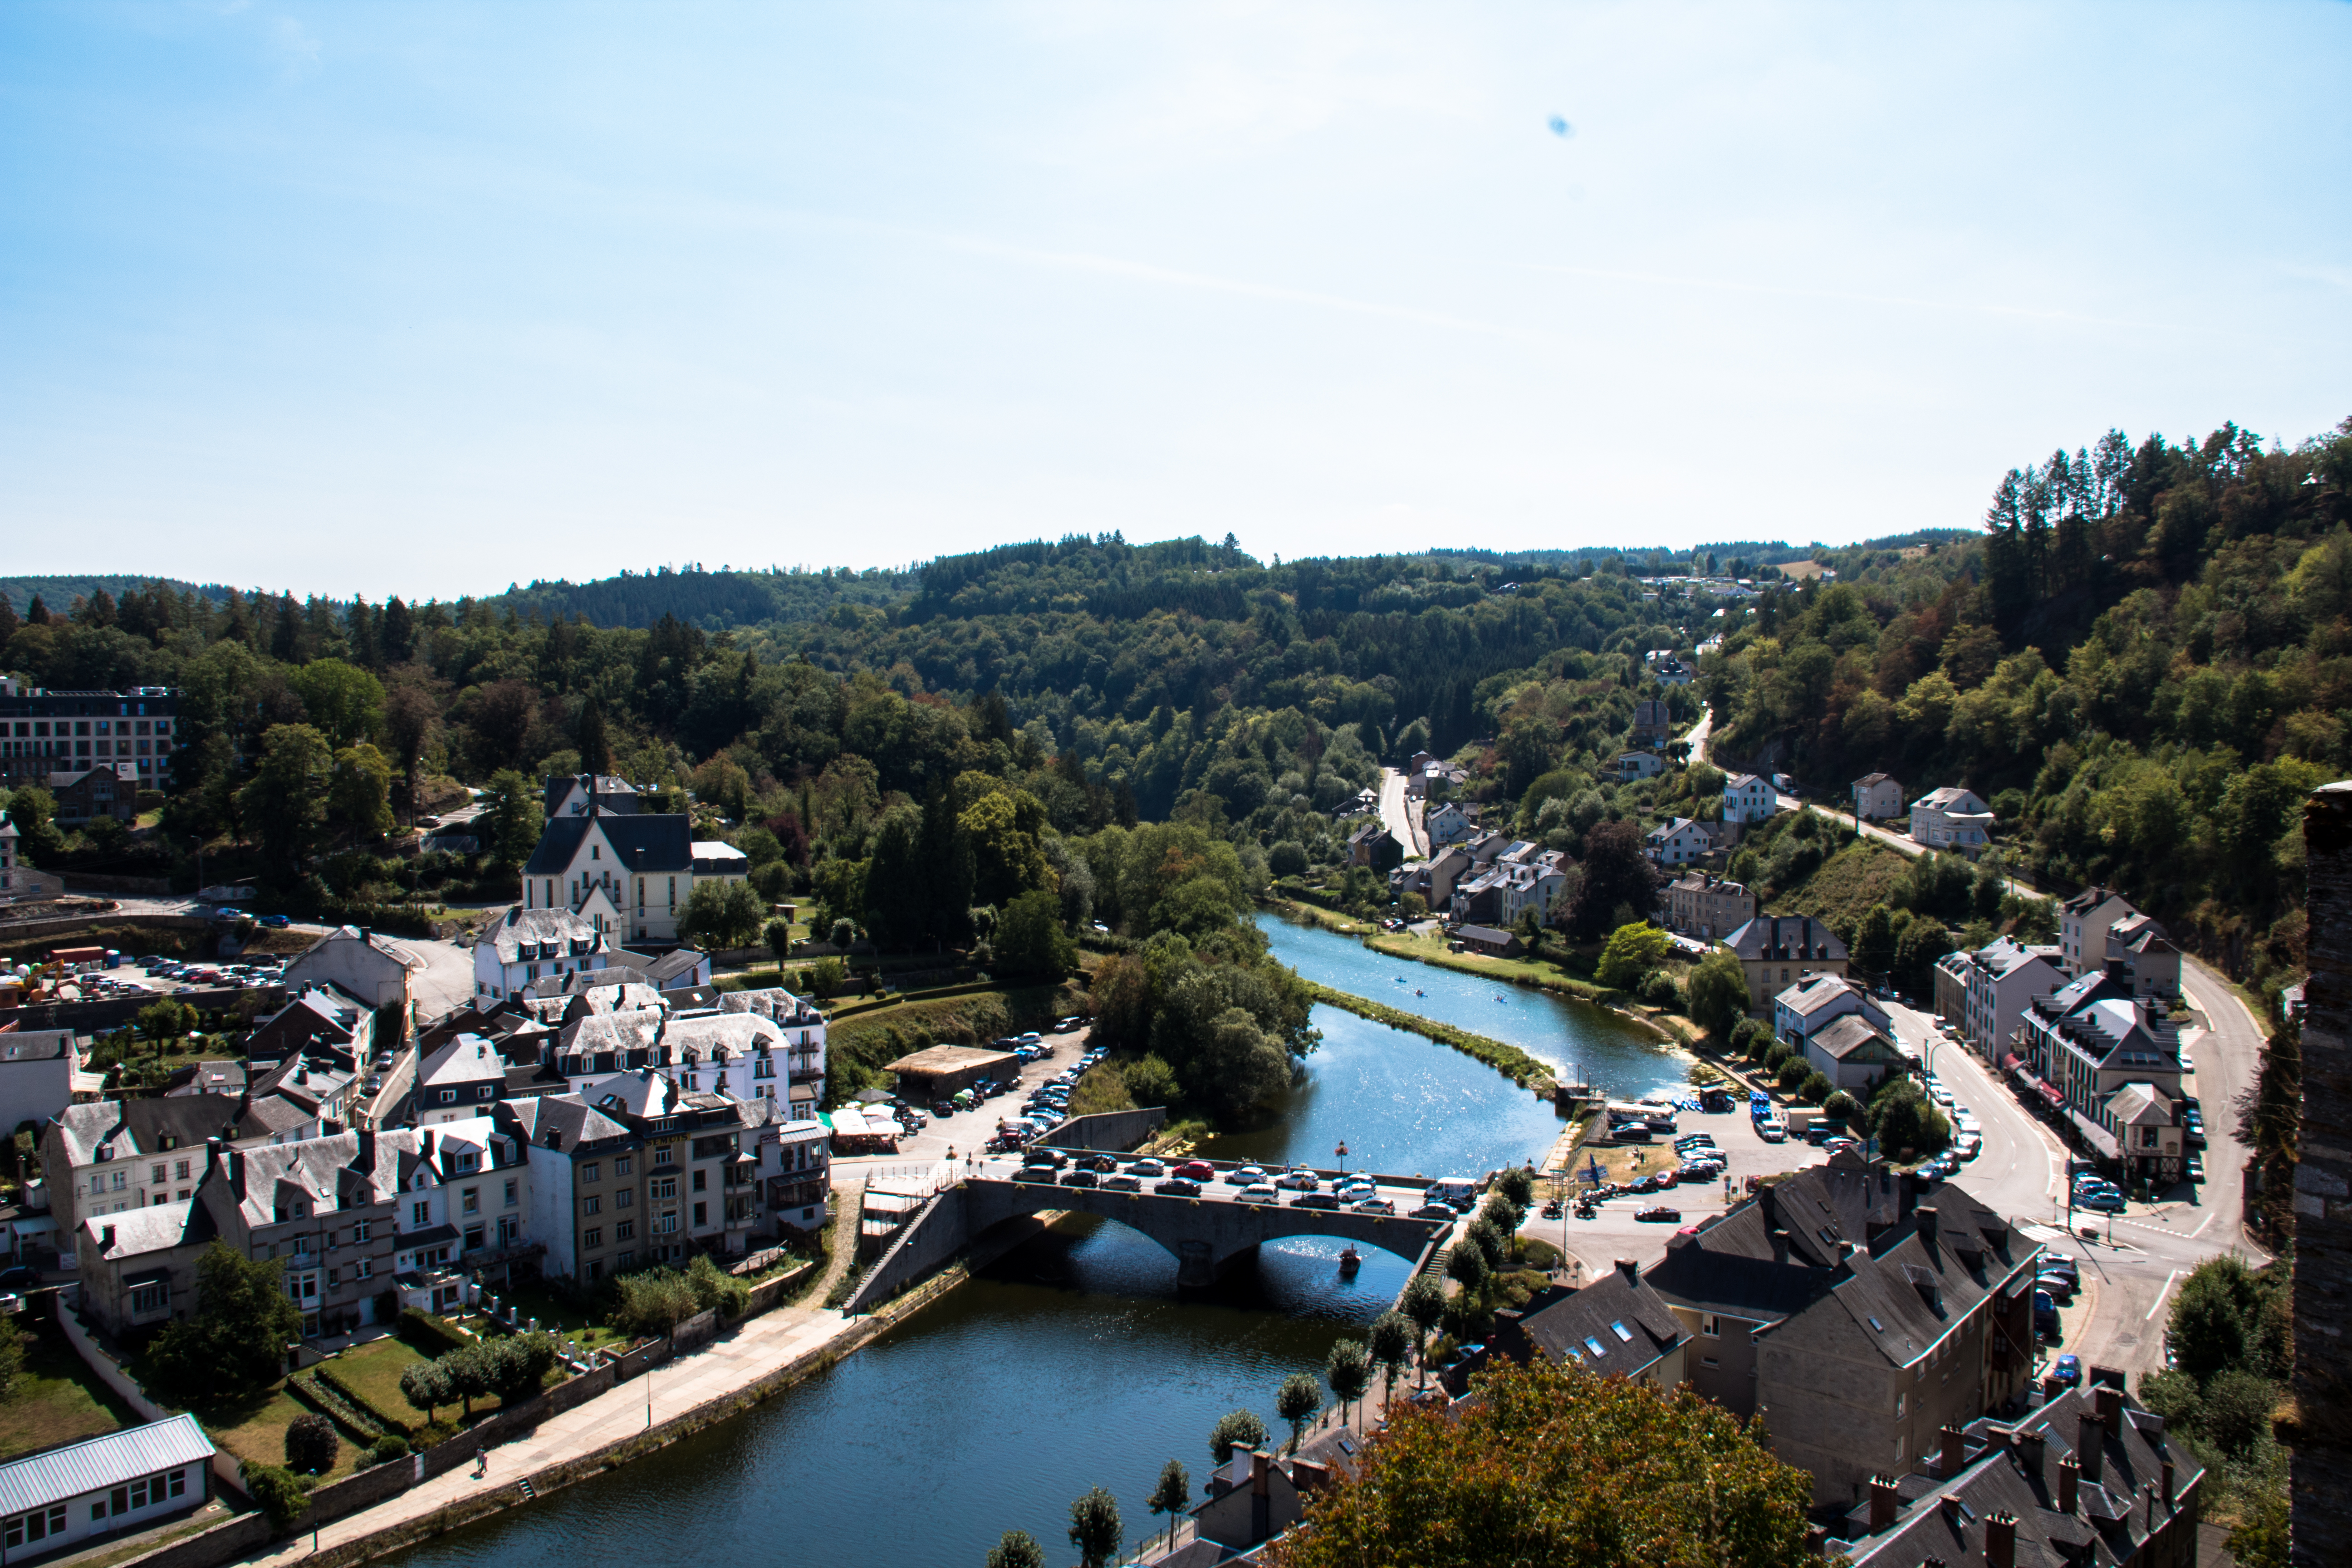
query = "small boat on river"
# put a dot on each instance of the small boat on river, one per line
(1350, 1259)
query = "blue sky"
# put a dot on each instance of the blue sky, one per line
(424, 299)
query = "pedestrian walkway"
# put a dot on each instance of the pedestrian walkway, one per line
(727, 1365)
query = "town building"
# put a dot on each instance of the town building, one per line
(635, 1172)
(1813, 1003)
(794, 1166)
(1951, 818)
(1877, 796)
(2090, 1477)
(36, 1075)
(110, 1156)
(753, 1046)
(44, 732)
(1449, 824)
(366, 965)
(1433, 878)
(137, 1269)
(1709, 908)
(1776, 951)
(1522, 878)
(530, 944)
(85, 795)
(320, 1018)
(103, 1487)
(1617, 1326)
(626, 871)
(1748, 798)
(1488, 940)
(1853, 1054)
(1984, 994)
(1858, 1318)
(1678, 842)
(461, 1080)
(2087, 1042)
(1630, 766)
(1373, 846)
(2083, 922)
(1257, 1495)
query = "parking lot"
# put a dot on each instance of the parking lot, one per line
(152, 975)
(966, 1132)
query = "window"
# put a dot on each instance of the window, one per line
(511, 1194)
(1707, 1360)
(121, 1180)
(147, 1298)
(179, 1170)
(625, 1230)
(700, 1218)
(663, 1187)
(593, 1204)
(592, 1237)
(596, 1269)
(365, 1268)
(301, 1247)
(589, 1173)
(1898, 1402)
(623, 1261)
(473, 1196)
(698, 1181)
(664, 1154)
(473, 1238)
(420, 1214)
(37, 1525)
(623, 1198)
(621, 1165)
(360, 1233)
(449, 1095)
(155, 1174)
(1709, 1325)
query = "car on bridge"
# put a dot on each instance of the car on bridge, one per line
(1178, 1187)
(1101, 1165)
(1371, 1206)
(1197, 1171)
(1044, 1174)
(1300, 1180)
(1244, 1175)
(1435, 1210)
(1122, 1182)
(1148, 1166)
(1053, 1157)
(1260, 1193)
(1315, 1201)
(1081, 1177)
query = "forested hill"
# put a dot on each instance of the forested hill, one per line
(59, 593)
(2143, 663)
(714, 601)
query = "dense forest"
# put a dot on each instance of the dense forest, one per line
(2142, 660)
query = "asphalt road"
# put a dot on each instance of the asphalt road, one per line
(1397, 814)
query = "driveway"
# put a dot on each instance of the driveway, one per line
(1397, 813)
(1697, 736)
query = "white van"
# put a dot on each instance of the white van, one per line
(1460, 1192)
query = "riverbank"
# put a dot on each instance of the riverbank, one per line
(1507, 1060)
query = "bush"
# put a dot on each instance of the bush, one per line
(1718, 998)
(1776, 1054)
(1792, 1072)
(2236, 1416)
(312, 1444)
(278, 1493)
(1658, 990)
(1842, 1106)
(1749, 1036)
(1287, 858)
(714, 1289)
(1816, 1087)
(385, 1449)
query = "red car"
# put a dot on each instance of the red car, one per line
(1195, 1171)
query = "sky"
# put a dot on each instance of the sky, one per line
(425, 298)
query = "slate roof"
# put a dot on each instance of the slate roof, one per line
(465, 1061)
(1868, 780)
(127, 1127)
(158, 1227)
(1815, 992)
(1850, 1035)
(553, 934)
(1949, 799)
(2090, 899)
(565, 1121)
(377, 941)
(97, 1464)
(1786, 938)
(569, 795)
(2004, 956)
(1630, 1322)
(650, 842)
(2140, 1105)
(36, 1044)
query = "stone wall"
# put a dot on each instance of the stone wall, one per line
(1108, 1129)
(2321, 1481)
(86, 1017)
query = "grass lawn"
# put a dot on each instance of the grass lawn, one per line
(564, 1315)
(58, 1400)
(1429, 948)
(373, 1372)
(255, 1429)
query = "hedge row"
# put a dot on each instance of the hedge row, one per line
(359, 1402)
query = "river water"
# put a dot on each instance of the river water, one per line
(1076, 1360)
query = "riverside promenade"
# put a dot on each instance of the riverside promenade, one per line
(730, 1375)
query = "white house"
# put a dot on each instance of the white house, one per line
(767, 1045)
(36, 1076)
(2083, 923)
(1678, 842)
(530, 944)
(1448, 824)
(374, 968)
(464, 1190)
(1877, 795)
(1748, 798)
(1853, 1053)
(460, 1081)
(1631, 765)
(103, 1487)
(1951, 818)
(1813, 1003)
(627, 872)
(1991, 989)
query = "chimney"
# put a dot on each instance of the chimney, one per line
(105, 1235)
(364, 1158)
(2029, 1452)
(1630, 1270)
(2111, 1408)
(2000, 1541)
(2169, 1496)
(2069, 1476)
(1882, 1503)
(1926, 1214)
(2091, 1446)
(1956, 1452)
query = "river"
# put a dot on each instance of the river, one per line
(1076, 1361)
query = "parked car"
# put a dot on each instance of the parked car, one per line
(1435, 1210)
(1260, 1193)
(1298, 1180)
(1123, 1183)
(2066, 1371)
(16, 1279)
(1245, 1175)
(1069, 1025)
(1178, 1187)
(2104, 1202)
(2193, 1166)
(1659, 1213)
(1053, 1157)
(1081, 1177)
(275, 922)
(1315, 1201)
(1372, 1205)
(2061, 1287)
(1197, 1171)
(2045, 1315)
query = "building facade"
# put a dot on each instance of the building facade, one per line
(1877, 795)
(1951, 818)
(1748, 798)
(1775, 952)
(1709, 908)
(1984, 994)
(44, 732)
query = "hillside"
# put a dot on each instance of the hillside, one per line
(58, 593)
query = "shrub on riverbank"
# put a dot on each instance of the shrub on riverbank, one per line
(1509, 1060)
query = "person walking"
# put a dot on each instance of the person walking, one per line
(481, 1461)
